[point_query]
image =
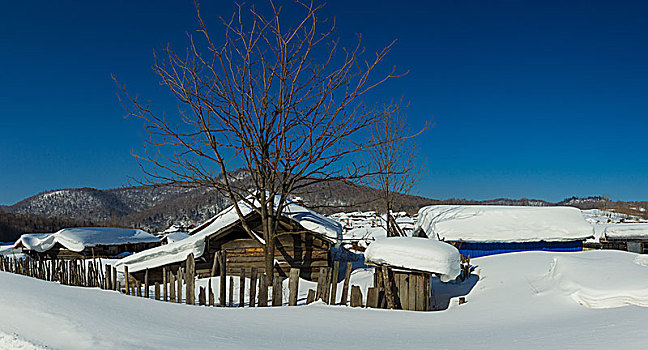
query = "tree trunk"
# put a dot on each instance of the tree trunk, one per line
(269, 250)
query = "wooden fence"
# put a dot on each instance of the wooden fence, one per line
(91, 273)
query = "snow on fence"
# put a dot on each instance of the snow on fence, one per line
(92, 273)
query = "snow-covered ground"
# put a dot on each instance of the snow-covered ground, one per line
(531, 300)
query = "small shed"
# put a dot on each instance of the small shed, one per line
(304, 240)
(629, 237)
(478, 230)
(86, 242)
(404, 266)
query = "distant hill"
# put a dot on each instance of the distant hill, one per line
(156, 208)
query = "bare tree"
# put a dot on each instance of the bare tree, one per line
(278, 97)
(398, 167)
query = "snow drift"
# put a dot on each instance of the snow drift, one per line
(416, 253)
(478, 223)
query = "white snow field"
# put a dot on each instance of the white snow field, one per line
(529, 300)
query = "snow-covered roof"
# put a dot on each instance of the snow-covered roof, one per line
(180, 250)
(416, 253)
(626, 231)
(77, 239)
(175, 236)
(479, 223)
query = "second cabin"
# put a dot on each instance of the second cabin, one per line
(304, 240)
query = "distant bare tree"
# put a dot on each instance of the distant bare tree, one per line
(278, 97)
(398, 166)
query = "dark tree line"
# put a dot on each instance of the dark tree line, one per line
(13, 225)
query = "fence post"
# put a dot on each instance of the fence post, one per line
(222, 262)
(165, 290)
(345, 287)
(146, 283)
(356, 297)
(172, 286)
(277, 291)
(114, 279)
(334, 280)
(190, 280)
(126, 280)
(231, 291)
(211, 293)
(242, 288)
(311, 296)
(321, 281)
(108, 284)
(253, 286)
(263, 290)
(372, 297)
(201, 296)
(293, 287)
(179, 284)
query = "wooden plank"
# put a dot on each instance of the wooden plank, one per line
(345, 286)
(211, 293)
(253, 286)
(126, 280)
(179, 277)
(277, 291)
(165, 290)
(426, 291)
(321, 280)
(190, 280)
(157, 291)
(372, 297)
(172, 287)
(293, 287)
(201, 296)
(242, 288)
(334, 282)
(108, 284)
(214, 265)
(222, 262)
(263, 290)
(231, 291)
(411, 291)
(356, 296)
(403, 291)
(114, 278)
(420, 293)
(327, 285)
(311, 296)
(146, 283)
(387, 277)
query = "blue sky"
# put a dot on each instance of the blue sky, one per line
(536, 99)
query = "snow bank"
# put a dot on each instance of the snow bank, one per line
(627, 231)
(416, 253)
(77, 239)
(478, 223)
(620, 279)
(180, 250)
(507, 293)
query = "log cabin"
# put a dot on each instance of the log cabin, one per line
(304, 240)
(86, 242)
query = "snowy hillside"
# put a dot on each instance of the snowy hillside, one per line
(533, 300)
